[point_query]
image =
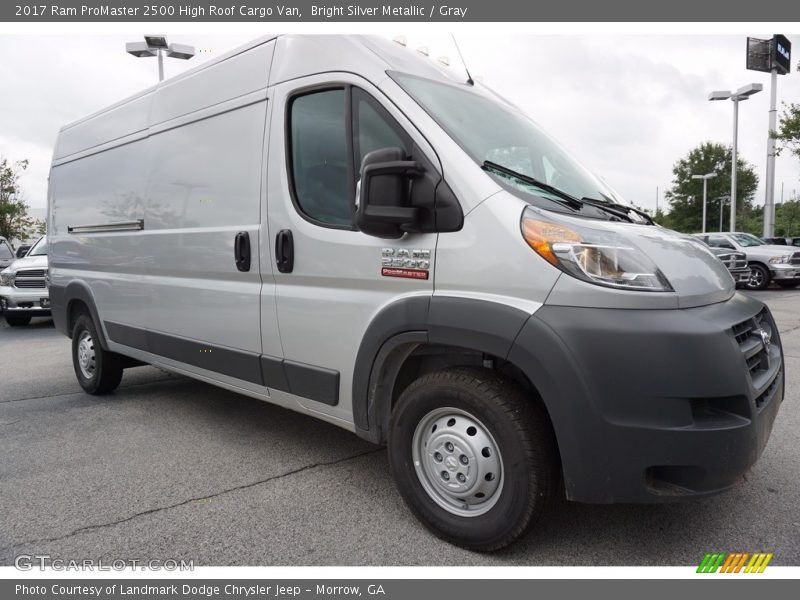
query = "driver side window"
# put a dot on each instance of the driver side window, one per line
(330, 131)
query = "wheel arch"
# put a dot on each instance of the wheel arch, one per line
(68, 301)
(413, 336)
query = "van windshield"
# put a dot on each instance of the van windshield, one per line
(489, 130)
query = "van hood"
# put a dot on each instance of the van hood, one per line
(697, 276)
(29, 262)
(695, 273)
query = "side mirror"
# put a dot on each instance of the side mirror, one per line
(384, 202)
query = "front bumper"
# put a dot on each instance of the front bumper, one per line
(741, 275)
(35, 302)
(785, 272)
(654, 405)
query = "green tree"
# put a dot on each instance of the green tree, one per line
(685, 197)
(14, 219)
(787, 218)
(788, 134)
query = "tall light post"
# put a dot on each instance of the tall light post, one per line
(705, 179)
(722, 200)
(156, 45)
(743, 93)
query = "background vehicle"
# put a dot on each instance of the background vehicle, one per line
(782, 241)
(23, 287)
(736, 263)
(6, 253)
(297, 199)
(22, 250)
(768, 263)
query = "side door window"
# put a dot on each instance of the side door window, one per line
(330, 131)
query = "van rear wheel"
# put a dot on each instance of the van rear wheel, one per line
(98, 371)
(473, 456)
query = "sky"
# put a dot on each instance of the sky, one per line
(626, 106)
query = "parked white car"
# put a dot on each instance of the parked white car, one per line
(768, 262)
(23, 287)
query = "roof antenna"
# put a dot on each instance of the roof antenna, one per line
(470, 81)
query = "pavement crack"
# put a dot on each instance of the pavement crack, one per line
(158, 509)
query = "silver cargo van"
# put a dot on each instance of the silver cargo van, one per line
(341, 227)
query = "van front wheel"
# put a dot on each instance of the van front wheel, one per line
(98, 371)
(473, 456)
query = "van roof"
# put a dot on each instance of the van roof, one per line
(393, 56)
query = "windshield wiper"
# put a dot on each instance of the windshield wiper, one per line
(569, 199)
(619, 210)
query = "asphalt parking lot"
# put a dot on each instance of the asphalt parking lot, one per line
(171, 468)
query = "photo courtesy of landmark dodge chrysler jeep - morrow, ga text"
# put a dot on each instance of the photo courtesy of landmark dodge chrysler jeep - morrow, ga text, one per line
(339, 226)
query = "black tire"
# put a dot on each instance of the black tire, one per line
(759, 277)
(106, 368)
(527, 450)
(17, 320)
(788, 285)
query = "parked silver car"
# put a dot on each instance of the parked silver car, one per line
(768, 263)
(23, 287)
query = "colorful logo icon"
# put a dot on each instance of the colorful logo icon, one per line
(735, 562)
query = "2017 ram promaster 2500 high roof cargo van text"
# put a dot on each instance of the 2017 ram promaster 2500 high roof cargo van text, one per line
(340, 227)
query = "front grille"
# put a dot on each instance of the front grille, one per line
(734, 260)
(748, 336)
(767, 394)
(30, 279)
(32, 273)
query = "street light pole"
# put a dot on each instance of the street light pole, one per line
(734, 161)
(156, 45)
(769, 203)
(743, 93)
(705, 179)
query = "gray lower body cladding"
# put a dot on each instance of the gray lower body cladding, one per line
(652, 405)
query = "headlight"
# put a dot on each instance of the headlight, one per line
(6, 277)
(779, 260)
(594, 255)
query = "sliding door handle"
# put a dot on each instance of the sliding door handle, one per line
(241, 250)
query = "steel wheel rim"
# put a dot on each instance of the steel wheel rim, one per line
(458, 462)
(87, 361)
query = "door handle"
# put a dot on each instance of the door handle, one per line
(241, 250)
(284, 251)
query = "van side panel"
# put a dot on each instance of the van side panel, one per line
(102, 188)
(204, 188)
